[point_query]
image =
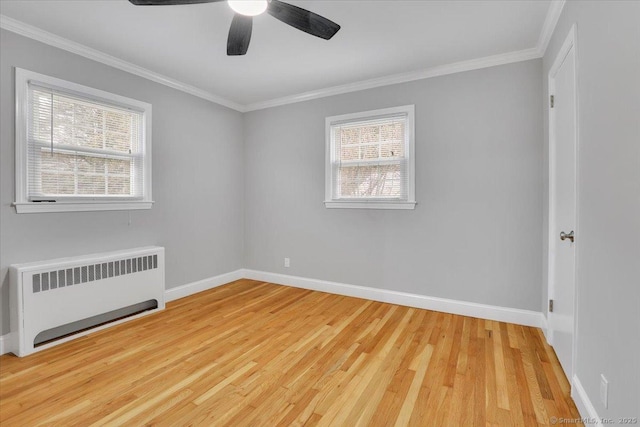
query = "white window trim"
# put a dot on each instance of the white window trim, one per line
(410, 203)
(22, 204)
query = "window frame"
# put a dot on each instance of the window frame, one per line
(370, 203)
(74, 204)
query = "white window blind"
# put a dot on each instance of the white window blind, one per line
(82, 148)
(370, 157)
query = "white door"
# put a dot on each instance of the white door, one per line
(562, 205)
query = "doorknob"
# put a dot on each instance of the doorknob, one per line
(564, 235)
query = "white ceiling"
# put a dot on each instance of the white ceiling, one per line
(378, 38)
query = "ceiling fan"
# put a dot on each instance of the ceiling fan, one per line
(241, 26)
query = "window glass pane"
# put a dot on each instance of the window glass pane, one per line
(118, 166)
(61, 171)
(88, 116)
(86, 137)
(63, 118)
(119, 185)
(40, 120)
(394, 149)
(90, 164)
(118, 122)
(369, 152)
(380, 181)
(371, 141)
(58, 162)
(350, 135)
(116, 141)
(91, 184)
(350, 152)
(370, 134)
(57, 183)
(392, 131)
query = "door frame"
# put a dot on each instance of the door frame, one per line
(569, 43)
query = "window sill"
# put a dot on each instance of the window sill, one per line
(38, 207)
(373, 204)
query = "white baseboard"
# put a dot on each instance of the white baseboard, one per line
(548, 333)
(4, 344)
(483, 311)
(585, 407)
(201, 285)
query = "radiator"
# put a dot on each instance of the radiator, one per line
(58, 300)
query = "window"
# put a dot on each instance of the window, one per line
(78, 148)
(370, 159)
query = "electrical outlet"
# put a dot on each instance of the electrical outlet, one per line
(604, 391)
(287, 262)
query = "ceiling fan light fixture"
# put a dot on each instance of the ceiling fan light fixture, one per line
(248, 7)
(242, 23)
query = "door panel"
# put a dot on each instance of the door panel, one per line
(563, 210)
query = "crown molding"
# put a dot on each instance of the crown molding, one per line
(549, 26)
(551, 20)
(46, 37)
(441, 70)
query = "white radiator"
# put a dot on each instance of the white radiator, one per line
(67, 295)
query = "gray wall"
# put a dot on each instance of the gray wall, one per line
(197, 178)
(476, 232)
(608, 239)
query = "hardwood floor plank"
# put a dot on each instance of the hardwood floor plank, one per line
(480, 389)
(500, 369)
(410, 400)
(491, 387)
(526, 406)
(515, 409)
(257, 354)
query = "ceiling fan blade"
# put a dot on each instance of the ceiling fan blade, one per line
(169, 2)
(303, 20)
(239, 35)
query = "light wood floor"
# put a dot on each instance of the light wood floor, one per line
(258, 354)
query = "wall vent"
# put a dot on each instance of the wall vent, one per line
(55, 279)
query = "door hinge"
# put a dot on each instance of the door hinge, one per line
(551, 100)
(550, 306)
